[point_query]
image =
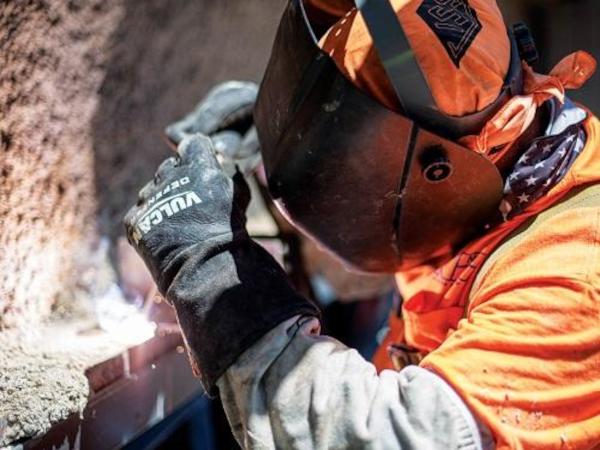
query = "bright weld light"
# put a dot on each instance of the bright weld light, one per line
(133, 330)
(123, 321)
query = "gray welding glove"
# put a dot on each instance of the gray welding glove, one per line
(223, 107)
(225, 115)
(189, 228)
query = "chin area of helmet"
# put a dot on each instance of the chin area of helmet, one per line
(383, 191)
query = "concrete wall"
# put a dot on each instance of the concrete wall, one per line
(86, 86)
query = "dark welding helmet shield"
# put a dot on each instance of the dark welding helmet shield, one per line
(367, 183)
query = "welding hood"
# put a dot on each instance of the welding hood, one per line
(382, 190)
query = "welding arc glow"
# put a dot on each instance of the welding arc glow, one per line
(124, 321)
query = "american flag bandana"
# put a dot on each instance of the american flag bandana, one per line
(547, 160)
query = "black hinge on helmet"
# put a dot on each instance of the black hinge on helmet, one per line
(526, 43)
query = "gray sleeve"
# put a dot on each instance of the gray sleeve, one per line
(295, 389)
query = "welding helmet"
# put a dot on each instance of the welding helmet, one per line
(383, 190)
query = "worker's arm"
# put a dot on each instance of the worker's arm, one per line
(295, 389)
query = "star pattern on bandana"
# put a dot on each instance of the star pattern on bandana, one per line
(541, 167)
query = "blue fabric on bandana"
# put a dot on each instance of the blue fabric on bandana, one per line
(547, 160)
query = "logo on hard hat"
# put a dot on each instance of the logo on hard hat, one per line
(454, 22)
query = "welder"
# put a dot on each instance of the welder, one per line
(407, 137)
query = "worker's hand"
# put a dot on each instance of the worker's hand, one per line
(190, 203)
(188, 227)
(224, 115)
(227, 105)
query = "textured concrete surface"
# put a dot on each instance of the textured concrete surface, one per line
(42, 375)
(53, 62)
(86, 86)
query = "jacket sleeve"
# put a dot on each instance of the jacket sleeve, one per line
(295, 389)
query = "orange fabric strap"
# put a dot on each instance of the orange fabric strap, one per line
(518, 114)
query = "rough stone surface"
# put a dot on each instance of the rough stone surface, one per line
(36, 390)
(86, 87)
(52, 64)
(42, 377)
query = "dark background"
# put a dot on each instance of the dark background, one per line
(561, 27)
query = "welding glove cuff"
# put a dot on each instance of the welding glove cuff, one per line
(226, 299)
